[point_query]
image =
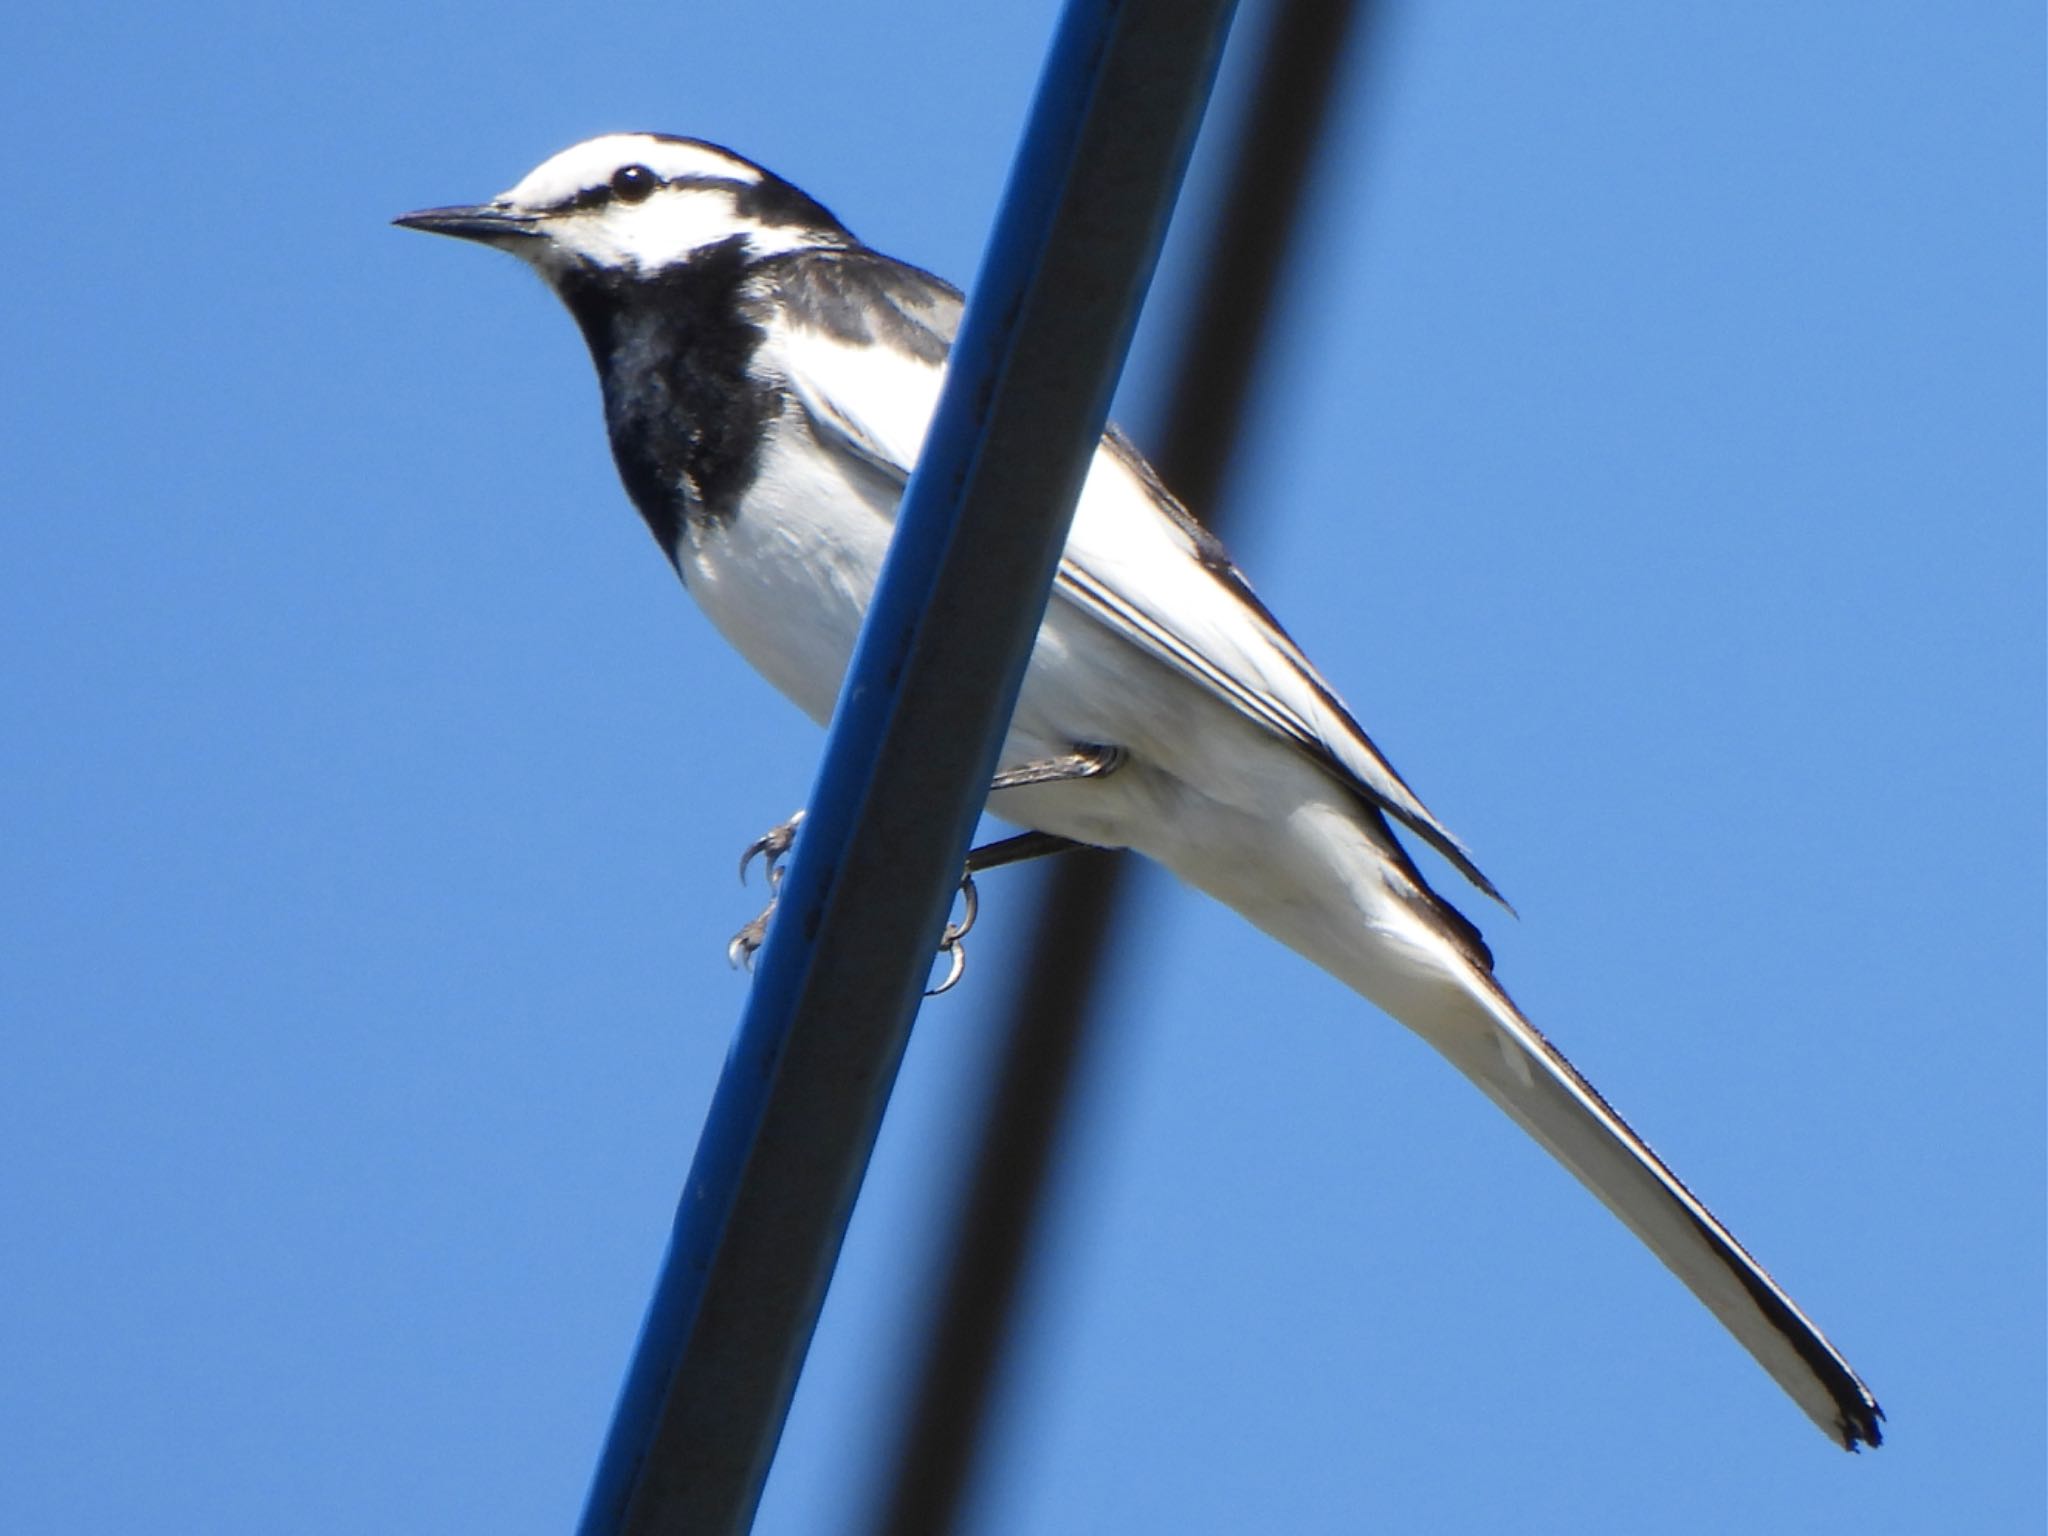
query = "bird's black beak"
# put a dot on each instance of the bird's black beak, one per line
(493, 226)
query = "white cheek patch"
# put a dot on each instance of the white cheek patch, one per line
(664, 229)
(667, 229)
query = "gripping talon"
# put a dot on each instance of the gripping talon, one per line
(970, 909)
(748, 941)
(772, 846)
(949, 941)
(953, 947)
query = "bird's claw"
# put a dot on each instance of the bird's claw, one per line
(949, 941)
(748, 941)
(772, 846)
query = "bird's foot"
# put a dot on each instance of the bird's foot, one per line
(950, 944)
(748, 941)
(772, 846)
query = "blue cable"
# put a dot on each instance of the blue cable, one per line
(906, 766)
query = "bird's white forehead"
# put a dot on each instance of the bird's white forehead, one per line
(590, 164)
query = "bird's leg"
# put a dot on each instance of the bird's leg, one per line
(1016, 850)
(1081, 763)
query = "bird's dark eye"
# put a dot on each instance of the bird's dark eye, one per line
(634, 183)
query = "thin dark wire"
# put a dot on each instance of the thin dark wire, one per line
(1255, 228)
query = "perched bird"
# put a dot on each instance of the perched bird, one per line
(768, 381)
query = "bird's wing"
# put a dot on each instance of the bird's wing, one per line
(864, 351)
(862, 341)
(1138, 562)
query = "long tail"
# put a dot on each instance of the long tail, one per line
(1332, 884)
(1330, 881)
(1486, 1037)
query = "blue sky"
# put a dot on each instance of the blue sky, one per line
(1653, 456)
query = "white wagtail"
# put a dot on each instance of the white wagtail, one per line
(767, 384)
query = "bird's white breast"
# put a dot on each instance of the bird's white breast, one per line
(788, 578)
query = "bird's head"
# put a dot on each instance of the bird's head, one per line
(638, 204)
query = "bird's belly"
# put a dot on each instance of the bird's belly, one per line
(787, 579)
